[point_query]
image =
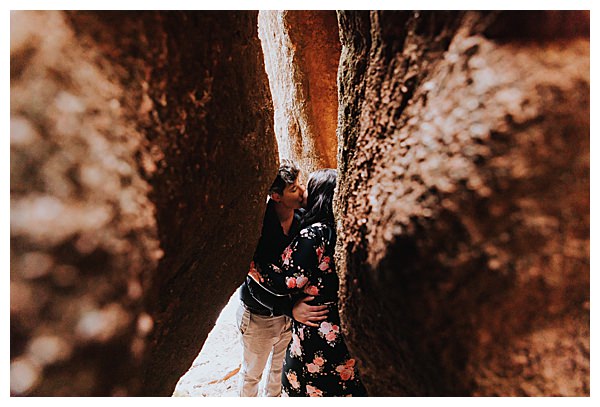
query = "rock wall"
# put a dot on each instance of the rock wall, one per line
(464, 184)
(83, 233)
(302, 52)
(171, 113)
(142, 146)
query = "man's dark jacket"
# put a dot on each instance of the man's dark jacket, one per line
(270, 246)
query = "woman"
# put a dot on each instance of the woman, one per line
(317, 361)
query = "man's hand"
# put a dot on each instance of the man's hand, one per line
(309, 314)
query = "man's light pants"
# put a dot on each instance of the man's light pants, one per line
(260, 336)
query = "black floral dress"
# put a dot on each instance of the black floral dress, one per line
(317, 361)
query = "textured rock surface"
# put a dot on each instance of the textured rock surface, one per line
(465, 193)
(302, 52)
(180, 98)
(210, 122)
(142, 145)
(83, 233)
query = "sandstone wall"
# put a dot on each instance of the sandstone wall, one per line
(171, 113)
(84, 241)
(464, 163)
(302, 52)
(142, 145)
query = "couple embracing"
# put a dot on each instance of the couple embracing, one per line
(288, 313)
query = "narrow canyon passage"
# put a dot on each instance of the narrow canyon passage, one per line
(301, 51)
(462, 150)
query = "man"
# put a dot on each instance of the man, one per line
(263, 316)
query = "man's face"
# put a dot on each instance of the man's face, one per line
(293, 195)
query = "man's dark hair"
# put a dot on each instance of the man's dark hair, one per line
(286, 175)
(319, 208)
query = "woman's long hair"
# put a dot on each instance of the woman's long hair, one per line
(319, 206)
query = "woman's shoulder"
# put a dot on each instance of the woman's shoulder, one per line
(314, 230)
(317, 226)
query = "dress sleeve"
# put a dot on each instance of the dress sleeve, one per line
(297, 264)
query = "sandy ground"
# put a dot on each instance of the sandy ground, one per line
(214, 372)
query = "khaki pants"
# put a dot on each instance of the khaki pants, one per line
(261, 336)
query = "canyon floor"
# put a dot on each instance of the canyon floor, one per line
(214, 372)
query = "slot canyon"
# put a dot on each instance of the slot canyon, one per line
(143, 143)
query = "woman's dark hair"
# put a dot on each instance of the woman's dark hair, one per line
(319, 206)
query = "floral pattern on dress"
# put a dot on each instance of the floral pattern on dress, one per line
(330, 332)
(346, 370)
(293, 379)
(316, 365)
(295, 347)
(286, 256)
(313, 391)
(317, 362)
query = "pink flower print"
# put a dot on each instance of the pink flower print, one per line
(295, 347)
(330, 336)
(312, 368)
(313, 391)
(286, 256)
(311, 290)
(319, 361)
(329, 331)
(301, 281)
(346, 372)
(290, 282)
(324, 265)
(293, 379)
(320, 251)
(254, 273)
(325, 327)
(350, 362)
(301, 333)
